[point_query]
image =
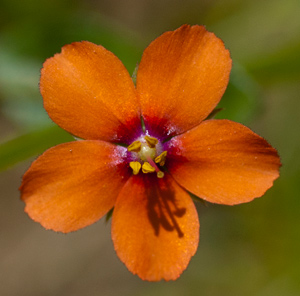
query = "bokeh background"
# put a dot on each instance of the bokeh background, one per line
(250, 249)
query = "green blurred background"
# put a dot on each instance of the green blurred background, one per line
(250, 249)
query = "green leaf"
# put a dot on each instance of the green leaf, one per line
(241, 99)
(109, 215)
(30, 144)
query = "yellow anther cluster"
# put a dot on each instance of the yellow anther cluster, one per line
(146, 155)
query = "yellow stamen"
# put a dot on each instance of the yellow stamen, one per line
(161, 159)
(135, 146)
(146, 157)
(136, 166)
(151, 141)
(148, 168)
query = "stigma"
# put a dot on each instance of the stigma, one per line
(148, 156)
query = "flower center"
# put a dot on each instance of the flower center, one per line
(148, 156)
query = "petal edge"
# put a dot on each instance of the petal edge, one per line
(73, 185)
(181, 78)
(223, 162)
(155, 227)
(88, 92)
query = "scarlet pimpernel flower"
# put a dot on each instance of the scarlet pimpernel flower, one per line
(145, 148)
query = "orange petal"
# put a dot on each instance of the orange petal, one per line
(223, 162)
(73, 185)
(181, 78)
(155, 227)
(88, 92)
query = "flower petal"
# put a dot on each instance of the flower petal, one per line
(181, 78)
(73, 185)
(88, 92)
(223, 162)
(155, 227)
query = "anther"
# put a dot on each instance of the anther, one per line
(136, 166)
(152, 142)
(135, 146)
(147, 168)
(161, 159)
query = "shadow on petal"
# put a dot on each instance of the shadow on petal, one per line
(155, 227)
(163, 209)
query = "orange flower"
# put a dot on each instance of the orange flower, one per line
(145, 148)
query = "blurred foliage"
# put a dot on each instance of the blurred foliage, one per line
(39, 32)
(31, 144)
(251, 249)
